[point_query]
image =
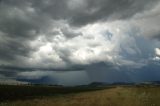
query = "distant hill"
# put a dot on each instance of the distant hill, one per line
(151, 83)
(102, 84)
(96, 84)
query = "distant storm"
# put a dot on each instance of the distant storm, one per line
(74, 42)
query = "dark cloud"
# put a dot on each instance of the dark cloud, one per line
(157, 36)
(110, 10)
(149, 72)
(19, 69)
(52, 35)
(41, 80)
(22, 21)
(92, 11)
(99, 72)
(18, 26)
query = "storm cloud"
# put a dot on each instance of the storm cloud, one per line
(90, 39)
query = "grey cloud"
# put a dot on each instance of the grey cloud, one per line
(110, 9)
(148, 22)
(70, 33)
(15, 69)
(157, 36)
(59, 22)
(92, 12)
(100, 72)
(18, 26)
(50, 77)
(149, 72)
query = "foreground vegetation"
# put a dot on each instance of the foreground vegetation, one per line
(116, 96)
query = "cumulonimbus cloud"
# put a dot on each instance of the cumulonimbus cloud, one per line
(63, 35)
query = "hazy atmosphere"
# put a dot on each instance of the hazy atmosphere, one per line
(76, 42)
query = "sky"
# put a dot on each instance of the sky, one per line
(76, 42)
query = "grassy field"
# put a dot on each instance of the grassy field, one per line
(109, 96)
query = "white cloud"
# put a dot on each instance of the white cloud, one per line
(157, 51)
(107, 42)
(156, 58)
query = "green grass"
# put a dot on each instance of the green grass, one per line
(116, 96)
